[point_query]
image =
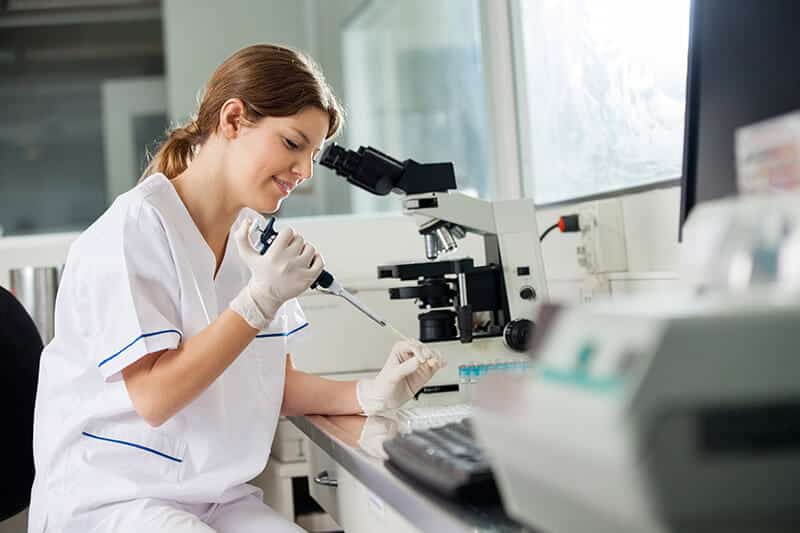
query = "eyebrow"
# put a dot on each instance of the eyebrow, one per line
(303, 135)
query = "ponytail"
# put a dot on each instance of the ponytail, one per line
(270, 80)
(175, 153)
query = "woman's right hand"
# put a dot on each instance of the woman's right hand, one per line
(288, 268)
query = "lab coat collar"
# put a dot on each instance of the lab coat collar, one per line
(202, 259)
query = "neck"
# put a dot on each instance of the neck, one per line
(203, 189)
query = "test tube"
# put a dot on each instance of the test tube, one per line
(474, 377)
(463, 382)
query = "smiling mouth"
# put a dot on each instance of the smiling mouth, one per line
(285, 186)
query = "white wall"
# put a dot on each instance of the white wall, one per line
(651, 238)
(200, 34)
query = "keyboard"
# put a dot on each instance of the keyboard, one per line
(446, 460)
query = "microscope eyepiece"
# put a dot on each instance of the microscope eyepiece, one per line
(368, 168)
(377, 173)
(342, 160)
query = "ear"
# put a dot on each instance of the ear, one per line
(231, 118)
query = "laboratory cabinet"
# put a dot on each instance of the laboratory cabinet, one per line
(351, 504)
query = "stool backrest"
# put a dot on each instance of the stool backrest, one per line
(20, 350)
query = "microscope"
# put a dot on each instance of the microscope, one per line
(488, 307)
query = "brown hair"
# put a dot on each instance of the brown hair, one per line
(270, 80)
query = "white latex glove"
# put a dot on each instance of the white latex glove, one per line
(409, 367)
(288, 268)
(377, 429)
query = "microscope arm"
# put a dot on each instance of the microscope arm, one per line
(472, 214)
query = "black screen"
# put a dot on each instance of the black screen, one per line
(744, 67)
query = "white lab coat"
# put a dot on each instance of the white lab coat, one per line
(140, 280)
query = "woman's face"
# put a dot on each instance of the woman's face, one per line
(268, 160)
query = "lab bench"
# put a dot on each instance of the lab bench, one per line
(352, 484)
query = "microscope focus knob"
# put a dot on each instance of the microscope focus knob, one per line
(527, 293)
(517, 334)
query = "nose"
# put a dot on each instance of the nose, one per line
(303, 168)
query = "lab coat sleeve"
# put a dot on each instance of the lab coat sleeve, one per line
(136, 296)
(286, 330)
(296, 326)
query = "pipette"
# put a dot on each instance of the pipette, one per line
(324, 283)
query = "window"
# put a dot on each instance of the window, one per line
(602, 94)
(56, 66)
(414, 84)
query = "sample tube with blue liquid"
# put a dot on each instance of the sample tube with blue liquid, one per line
(472, 373)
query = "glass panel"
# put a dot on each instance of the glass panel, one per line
(605, 90)
(414, 84)
(54, 176)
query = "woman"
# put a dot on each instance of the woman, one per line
(160, 393)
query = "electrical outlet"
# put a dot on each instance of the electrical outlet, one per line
(602, 247)
(594, 287)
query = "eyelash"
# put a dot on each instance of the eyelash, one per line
(291, 145)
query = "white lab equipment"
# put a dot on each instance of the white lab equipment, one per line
(736, 244)
(503, 310)
(654, 416)
(136, 282)
(472, 310)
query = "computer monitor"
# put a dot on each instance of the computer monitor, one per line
(743, 68)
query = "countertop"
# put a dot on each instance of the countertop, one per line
(355, 441)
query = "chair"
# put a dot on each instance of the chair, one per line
(20, 350)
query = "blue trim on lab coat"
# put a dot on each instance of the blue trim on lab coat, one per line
(142, 336)
(145, 448)
(282, 334)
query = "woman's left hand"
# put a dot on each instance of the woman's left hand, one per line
(410, 365)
